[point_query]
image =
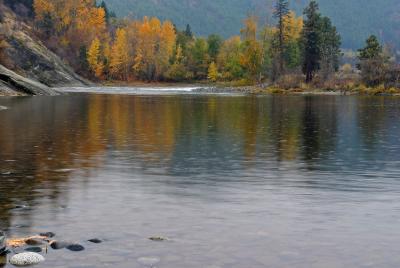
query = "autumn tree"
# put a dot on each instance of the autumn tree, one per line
(119, 60)
(212, 72)
(94, 58)
(251, 58)
(229, 59)
(166, 44)
(177, 71)
(293, 28)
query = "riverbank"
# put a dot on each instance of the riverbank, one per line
(215, 88)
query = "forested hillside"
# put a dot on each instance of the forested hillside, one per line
(355, 19)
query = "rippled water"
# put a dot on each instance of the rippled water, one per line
(232, 181)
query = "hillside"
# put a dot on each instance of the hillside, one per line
(355, 19)
(26, 65)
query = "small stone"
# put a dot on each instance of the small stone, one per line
(25, 259)
(158, 238)
(148, 261)
(21, 207)
(34, 241)
(34, 249)
(75, 247)
(48, 234)
(59, 244)
(95, 240)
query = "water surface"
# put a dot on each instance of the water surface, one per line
(232, 181)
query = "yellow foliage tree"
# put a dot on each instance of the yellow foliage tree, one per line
(213, 72)
(252, 56)
(119, 60)
(293, 26)
(94, 58)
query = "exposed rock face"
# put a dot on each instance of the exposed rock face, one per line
(28, 67)
(15, 84)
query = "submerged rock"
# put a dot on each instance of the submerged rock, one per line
(34, 249)
(95, 240)
(48, 234)
(25, 259)
(34, 241)
(158, 238)
(59, 244)
(75, 247)
(148, 261)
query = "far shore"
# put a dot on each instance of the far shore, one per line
(226, 88)
(219, 87)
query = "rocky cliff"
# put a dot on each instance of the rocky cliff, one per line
(27, 61)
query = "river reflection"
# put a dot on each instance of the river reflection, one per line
(235, 181)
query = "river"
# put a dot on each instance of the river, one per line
(229, 180)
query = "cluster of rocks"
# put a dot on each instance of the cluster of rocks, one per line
(27, 249)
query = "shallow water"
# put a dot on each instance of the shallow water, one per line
(232, 181)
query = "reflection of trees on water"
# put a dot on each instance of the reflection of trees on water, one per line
(48, 137)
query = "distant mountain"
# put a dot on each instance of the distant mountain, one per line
(355, 19)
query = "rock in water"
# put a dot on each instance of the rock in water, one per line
(34, 241)
(25, 259)
(34, 249)
(95, 240)
(59, 244)
(75, 247)
(148, 261)
(158, 238)
(48, 234)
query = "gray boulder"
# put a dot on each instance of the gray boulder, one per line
(27, 258)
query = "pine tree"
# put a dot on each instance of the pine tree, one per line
(281, 13)
(310, 40)
(188, 31)
(371, 50)
(373, 63)
(330, 42)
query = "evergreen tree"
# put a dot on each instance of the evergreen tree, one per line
(214, 44)
(372, 49)
(188, 31)
(373, 63)
(311, 41)
(330, 42)
(281, 13)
